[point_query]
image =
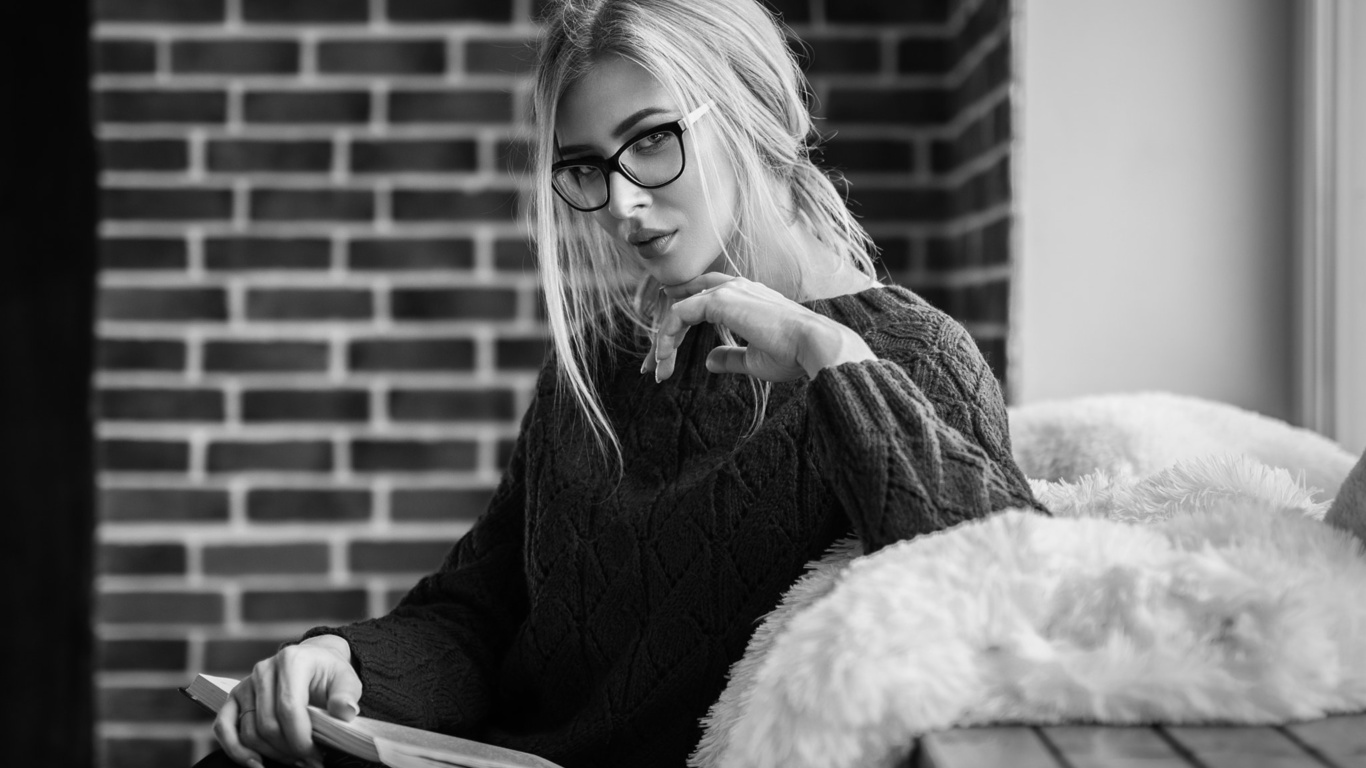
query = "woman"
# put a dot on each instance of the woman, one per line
(657, 504)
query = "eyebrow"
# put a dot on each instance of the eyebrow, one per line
(619, 131)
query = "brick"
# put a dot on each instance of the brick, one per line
(513, 256)
(411, 254)
(140, 559)
(505, 449)
(123, 752)
(265, 356)
(267, 253)
(307, 505)
(161, 703)
(994, 352)
(143, 253)
(876, 11)
(159, 404)
(306, 11)
(439, 504)
(236, 656)
(500, 57)
(925, 56)
(125, 57)
(173, 11)
(453, 303)
(991, 72)
(250, 559)
(382, 57)
(901, 205)
(310, 304)
(154, 204)
(453, 205)
(159, 607)
(163, 505)
(790, 11)
(235, 57)
(889, 105)
(839, 55)
(144, 456)
(996, 242)
(306, 405)
(450, 106)
(414, 156)
(312, 205)
(271, 156)
(445, 10)
(882, 155)
(413, 455)
(514, 157)
(277, 456)
(311, 106)
(142, 654)
(161, 106)
(397, 556)
(520, 354)
(390, 354)
(144, 155)
(162, 304)
(304, 605)
(451, 405)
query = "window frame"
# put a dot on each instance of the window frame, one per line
(1331, 220)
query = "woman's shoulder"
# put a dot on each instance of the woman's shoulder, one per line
(883, 307)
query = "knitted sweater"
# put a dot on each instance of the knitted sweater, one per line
(593, 621)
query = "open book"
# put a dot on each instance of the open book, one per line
(397, 746)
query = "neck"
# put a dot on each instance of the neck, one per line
(825, 272)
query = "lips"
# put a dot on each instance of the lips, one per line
(642, 236)
(650, 243)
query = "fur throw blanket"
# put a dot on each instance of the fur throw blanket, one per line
(1211, 591)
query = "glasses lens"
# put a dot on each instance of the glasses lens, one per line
(582, 186)
(655, 159)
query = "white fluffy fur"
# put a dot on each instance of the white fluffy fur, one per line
(1141, 433)
(1209, 591)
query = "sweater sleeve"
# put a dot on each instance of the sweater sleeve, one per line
(916, 441)
(431, 662)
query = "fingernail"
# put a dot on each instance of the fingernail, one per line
(643, 366)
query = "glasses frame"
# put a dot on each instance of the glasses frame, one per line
(608, 165)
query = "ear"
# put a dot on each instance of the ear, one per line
(1349, 508)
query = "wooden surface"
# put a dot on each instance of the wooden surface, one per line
(1335, 742)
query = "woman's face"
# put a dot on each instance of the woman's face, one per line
(676, 232)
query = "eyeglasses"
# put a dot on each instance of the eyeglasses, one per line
(651, 159)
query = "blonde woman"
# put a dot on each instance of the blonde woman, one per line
(730, 391)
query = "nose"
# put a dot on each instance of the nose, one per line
(625, 197)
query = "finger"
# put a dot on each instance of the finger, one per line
(727, 360)
(267, 728)
(251, 735)
(343, 701)
(291, 708)
(225, 730)
(664, 367)
(697, 285)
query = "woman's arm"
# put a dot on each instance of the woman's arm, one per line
(916, 441)
(431, 662)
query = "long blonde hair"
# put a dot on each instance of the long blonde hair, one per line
(728, 52)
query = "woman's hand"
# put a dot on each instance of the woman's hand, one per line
(786, 340)
(267, 713)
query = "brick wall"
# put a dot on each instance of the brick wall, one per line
(319, 321)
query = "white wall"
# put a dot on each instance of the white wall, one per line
(1155, 198)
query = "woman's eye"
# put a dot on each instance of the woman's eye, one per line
(653, 143)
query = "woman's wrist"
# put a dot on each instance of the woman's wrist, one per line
(830, 343)
(334, 643)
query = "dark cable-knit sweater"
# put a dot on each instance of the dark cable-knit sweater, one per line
(593, 621)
